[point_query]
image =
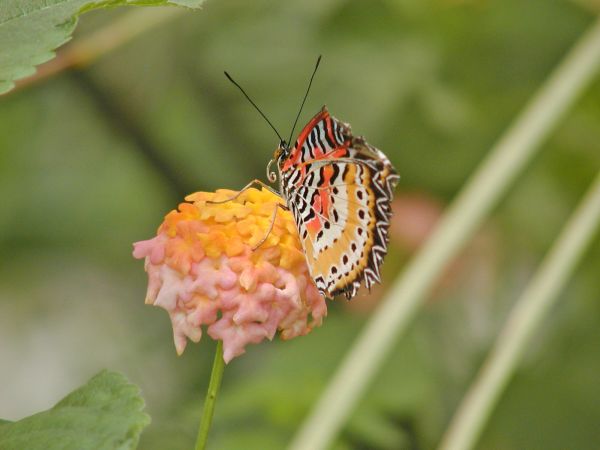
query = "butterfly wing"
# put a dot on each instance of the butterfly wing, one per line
(339, 189)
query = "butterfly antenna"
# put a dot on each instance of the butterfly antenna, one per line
(254, 104)
(304, 99)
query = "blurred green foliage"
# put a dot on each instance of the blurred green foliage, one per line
(104, 414)
(432, 83)
(30, 30)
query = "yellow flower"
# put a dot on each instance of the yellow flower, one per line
(203, 269)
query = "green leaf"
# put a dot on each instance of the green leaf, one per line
(105, 413)
(30, 30)
(2, 421)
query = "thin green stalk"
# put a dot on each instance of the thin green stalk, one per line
(522, 322)
(211, 397)
(482, 192)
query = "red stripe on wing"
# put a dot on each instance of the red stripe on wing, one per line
(295, 156)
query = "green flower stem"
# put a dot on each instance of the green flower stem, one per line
(483, 190)
(211, 397)
(525, 318)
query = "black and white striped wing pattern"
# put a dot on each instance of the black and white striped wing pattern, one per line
(339, 189)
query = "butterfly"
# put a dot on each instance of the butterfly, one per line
(339, 189)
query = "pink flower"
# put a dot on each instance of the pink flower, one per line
(203, 271)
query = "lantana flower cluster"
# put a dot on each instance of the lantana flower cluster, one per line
(205, 271)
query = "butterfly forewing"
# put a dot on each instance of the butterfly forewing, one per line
(339, 189)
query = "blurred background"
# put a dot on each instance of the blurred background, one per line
(91, 160)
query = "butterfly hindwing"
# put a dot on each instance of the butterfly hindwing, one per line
(339, 189)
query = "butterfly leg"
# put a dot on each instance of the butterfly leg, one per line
(245, 188)
(273, 217)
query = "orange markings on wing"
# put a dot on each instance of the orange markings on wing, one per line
(330, 129)
(314, 225)
(339, 152)
(294, 158)
(324, 194)
(319, 153)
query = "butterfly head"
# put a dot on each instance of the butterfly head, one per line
(281, 152)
